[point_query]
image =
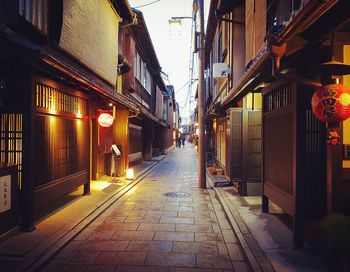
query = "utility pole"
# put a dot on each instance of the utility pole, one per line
(201, 99)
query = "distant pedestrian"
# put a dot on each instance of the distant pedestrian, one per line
(179, 142)
(183, 142)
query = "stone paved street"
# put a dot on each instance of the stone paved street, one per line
(149, 231)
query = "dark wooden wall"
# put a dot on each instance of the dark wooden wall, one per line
(62, 148)
(135, 140)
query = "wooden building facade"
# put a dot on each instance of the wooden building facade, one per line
(58, 73)
(145, 87)
(280, 142)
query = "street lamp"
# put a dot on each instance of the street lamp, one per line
(177, 20)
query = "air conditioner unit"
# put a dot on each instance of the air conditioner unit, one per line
(221, 70)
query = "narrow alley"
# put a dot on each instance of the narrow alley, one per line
(164, 222)
(187, 135)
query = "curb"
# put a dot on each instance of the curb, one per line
(37, 264)
(256, 257)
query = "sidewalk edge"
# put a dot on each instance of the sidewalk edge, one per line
(256, 257)
(84, 222)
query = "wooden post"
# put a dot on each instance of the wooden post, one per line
(27, 193)
(86, 189)
(148, 132)
(121, 137)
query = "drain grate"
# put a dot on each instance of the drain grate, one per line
(177, 194)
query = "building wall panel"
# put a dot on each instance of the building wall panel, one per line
(90, 34)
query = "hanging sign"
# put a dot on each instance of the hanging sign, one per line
(331, 103)
(105, 119)
(5, 193)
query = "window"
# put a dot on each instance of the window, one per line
(142, 74)
(35, 12)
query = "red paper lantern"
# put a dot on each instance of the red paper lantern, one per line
(105, 119)
(331, 103)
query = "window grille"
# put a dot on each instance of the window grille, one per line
(55, 101)
(279, 98)
(11, 138)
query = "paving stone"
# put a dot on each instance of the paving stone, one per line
(222, 248)
(193, 204)
(101, 235)
(126, 208)
(105, 245)
(146, 219)
(141, 269)
(171, 259)
(84, 235)
(162, 213)
(181, 269)
(213, 261)
(84, 257)
(224, 224)
(174, 236)
(183, 209)
(195, 247)
(150, 246)
(209, 237)
(126, 235)
(85, 268)
(118, 226)
(208, 209)
(150, 232)
(129, 213)
(176, 220)
(235, 252)
(194, 214)
(241, 267)
(204, 221)
(194, 228)
(229, 236)
(220, 214)
(157, 227)
(121, 258)
(68, 250)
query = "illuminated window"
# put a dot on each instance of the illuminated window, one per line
(55, 101)
(11, 141)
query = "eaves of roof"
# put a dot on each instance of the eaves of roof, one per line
(211, 29)
(125, 12)
(146, 48)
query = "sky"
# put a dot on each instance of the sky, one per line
(172, 43)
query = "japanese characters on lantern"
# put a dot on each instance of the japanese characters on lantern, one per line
(331, 103)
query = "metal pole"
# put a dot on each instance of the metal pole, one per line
(201, 100)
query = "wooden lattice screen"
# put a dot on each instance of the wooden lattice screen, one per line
(11, 137)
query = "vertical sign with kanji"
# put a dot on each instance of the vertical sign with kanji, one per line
(5, 193)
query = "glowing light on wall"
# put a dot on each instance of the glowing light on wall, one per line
(105, 119)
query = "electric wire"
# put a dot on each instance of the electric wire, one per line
(145, 5)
